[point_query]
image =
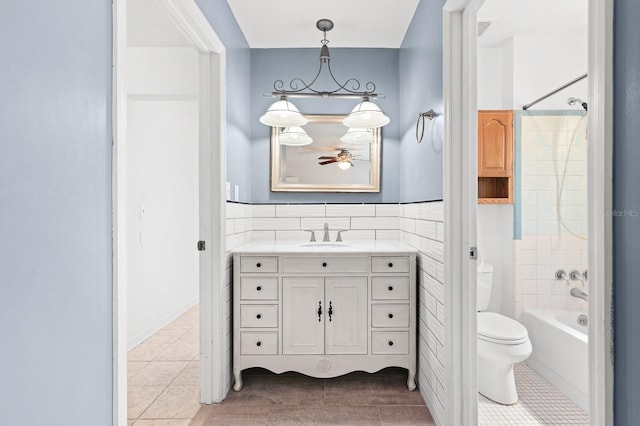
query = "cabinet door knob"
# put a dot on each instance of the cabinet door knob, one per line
(390, 288)
(259, 316)
(324, 264)
(390, 265)
(390, 315)
(259, 288)
(258, 265)
(259, 343)
(390, 342)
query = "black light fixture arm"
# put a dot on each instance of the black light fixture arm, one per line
(349, 89)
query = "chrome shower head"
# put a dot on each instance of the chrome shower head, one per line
(573, 101)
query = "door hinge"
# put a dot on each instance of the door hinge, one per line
(201, 245)
(473, 253)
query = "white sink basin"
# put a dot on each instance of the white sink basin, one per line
(325, 245)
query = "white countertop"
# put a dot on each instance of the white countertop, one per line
(295, 247)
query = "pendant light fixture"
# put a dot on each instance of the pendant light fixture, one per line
(284, 114)
(366, 114)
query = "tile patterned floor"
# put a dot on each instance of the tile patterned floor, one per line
(163, 375)
(164, 385)
(540, 404)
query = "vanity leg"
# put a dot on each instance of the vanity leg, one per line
(238, 380)
(411, 382)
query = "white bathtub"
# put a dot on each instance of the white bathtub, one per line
(560, 351)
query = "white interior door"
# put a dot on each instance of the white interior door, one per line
(186, 15)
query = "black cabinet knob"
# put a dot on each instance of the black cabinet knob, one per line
(258, 265)
(390, 342)
(259, 288)
(259, 316)
(324, 264)
(259, 343)
(390, 288)
(390, 315)
(390, 265)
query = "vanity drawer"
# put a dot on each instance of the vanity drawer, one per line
(258, 264)
(258, 343)
(258, 316)
(390, 264)
(390, 288)
(390, 315)
(259, 288)
(389, 343)
(325, 264)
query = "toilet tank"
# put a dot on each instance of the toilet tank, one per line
(484, 280)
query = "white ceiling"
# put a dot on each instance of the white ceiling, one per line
(512, 17)
(292, 23)
(148, 25)
(358, 23)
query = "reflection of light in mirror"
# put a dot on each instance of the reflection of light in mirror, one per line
(356, 135)
(294, 136)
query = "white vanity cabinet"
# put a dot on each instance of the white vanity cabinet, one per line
(324, 313)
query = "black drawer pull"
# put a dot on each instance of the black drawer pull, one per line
(259, 288)
(258, 265)
(324, 264)
(259, 316)
(390, 342)
(390, 315)
(390, 265)
(390, 288)
(259, 343)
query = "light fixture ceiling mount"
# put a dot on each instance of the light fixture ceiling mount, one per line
(284, 114)
(298, 88)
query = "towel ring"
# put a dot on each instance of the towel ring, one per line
(431, 114)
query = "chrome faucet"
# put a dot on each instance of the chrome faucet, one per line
(326, 238)
(576, 292)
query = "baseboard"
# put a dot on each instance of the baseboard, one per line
(133, 341)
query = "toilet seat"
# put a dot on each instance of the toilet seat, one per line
(496, 328)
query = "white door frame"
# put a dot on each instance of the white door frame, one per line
(460, 89)
(189, 19)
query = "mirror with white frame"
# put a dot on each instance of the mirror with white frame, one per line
(332, 162)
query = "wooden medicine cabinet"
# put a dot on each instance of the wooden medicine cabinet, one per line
(495, 157)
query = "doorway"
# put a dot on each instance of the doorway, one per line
(460, 206)
(168, 183)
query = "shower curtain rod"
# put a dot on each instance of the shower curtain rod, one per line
(575, 80)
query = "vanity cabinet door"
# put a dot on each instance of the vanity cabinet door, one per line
(303, 315)
(346, 315)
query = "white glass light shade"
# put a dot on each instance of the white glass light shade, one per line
(283, 113)
(344, 165)
(356, 135)
(295, 136)
(366, 115)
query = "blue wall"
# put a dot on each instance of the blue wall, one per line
(421, 89)
(238, 86)
(626, 198)
(55, 212)
(377, 65)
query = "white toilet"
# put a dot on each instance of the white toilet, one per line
(502, 342)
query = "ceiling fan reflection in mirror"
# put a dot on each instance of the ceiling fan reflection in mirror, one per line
(344, 158)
